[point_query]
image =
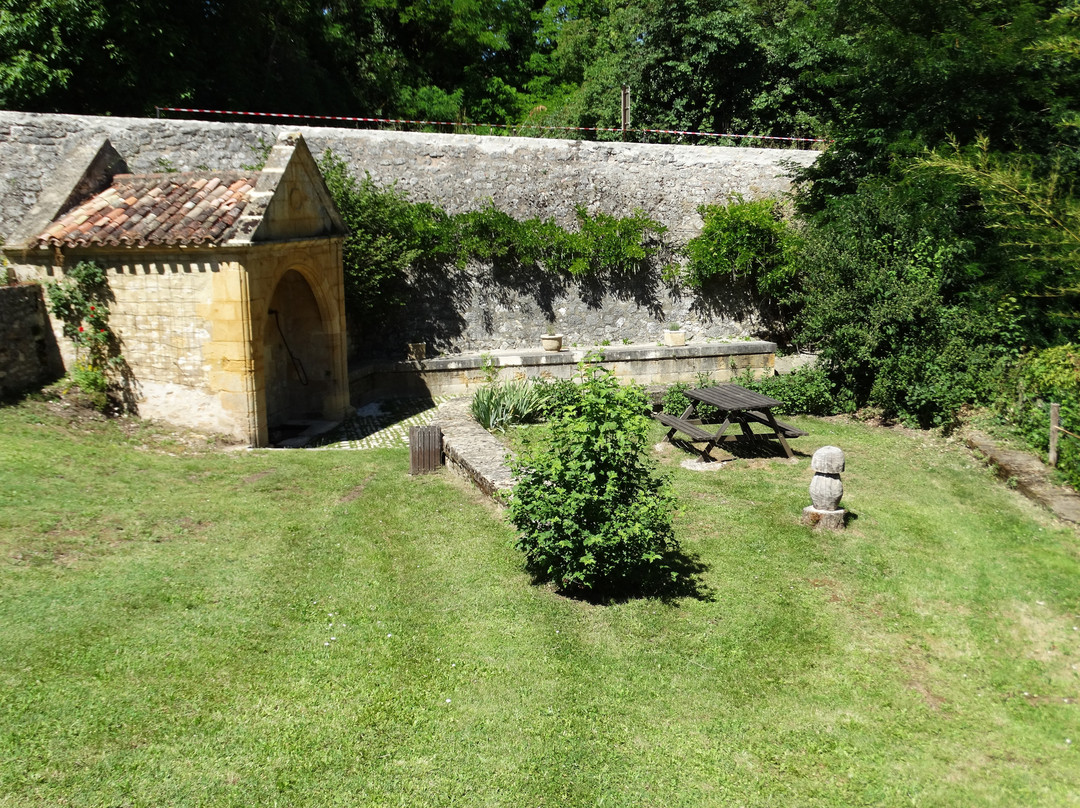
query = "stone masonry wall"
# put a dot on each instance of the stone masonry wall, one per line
(480, 308)
(28, 349)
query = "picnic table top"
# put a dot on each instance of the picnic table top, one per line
(731, 397)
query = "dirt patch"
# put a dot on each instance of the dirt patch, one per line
(254, 478)
(933, 701)
(355, 493)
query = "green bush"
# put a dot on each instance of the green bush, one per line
(559, 395)
(745, 240)
(594, 516)
(805, 391)
(391, 236)
(893, 303)
(80, 301)
(1040, 379)
(388, 235)
(675, 400)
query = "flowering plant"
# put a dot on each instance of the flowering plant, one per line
(80, 301)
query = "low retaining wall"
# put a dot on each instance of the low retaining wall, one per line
(645, 364)
(29, 355)
(471, 452)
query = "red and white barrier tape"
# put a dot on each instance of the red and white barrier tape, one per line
(485, 125)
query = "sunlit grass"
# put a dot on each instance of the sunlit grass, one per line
(318, 628)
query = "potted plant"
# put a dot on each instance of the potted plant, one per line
(674, 336)
(551, 341)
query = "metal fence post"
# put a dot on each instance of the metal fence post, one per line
(1055, 427)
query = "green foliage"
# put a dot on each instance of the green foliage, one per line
(560, 395)
(675, 401)
(391, 237)
(1041, 378)
(805, 391)
(594, 516)
(388, 235)
(80, 301)
(1035, 211)
(744, 240)
(497, 405)
(690, 65)
(892, 299)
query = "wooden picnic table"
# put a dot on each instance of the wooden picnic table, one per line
(736, 406)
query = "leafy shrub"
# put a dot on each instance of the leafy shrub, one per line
(891, 299)
(675, 400)
(1041, 378)
(559, 395)
(805, 391)
(80, 301)
(746, 240)
(594, 515)
(501, 404)
(390, 236)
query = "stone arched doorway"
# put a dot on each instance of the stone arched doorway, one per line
(298, 359)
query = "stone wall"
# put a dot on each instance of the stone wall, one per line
(479, 308)
(28, 351)
(525, 177)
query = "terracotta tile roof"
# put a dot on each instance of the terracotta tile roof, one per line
(193, 208)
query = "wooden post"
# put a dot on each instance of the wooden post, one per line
(425, 449)
(1055, 427)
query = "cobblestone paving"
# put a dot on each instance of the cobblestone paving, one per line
(380, 425)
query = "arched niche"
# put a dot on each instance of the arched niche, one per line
(298, 359)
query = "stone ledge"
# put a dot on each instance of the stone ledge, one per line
(622, 353)
(471, 451)
(648, 364)
(1031, 476)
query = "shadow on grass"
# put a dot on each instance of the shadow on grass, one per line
(677, 578)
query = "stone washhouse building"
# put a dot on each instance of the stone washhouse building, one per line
(227, 286)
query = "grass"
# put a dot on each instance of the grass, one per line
(186, 627)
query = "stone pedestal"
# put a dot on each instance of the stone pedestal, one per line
(831, 520)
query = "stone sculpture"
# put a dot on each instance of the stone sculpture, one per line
(826, 489)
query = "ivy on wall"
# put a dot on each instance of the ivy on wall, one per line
(391, 236)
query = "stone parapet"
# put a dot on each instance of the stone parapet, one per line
(525, 177)
(646, 364)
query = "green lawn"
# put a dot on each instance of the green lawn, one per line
(187, 627)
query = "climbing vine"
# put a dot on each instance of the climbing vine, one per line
(80, 301)
(391, 236)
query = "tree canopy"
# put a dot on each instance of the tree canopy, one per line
(937, 233)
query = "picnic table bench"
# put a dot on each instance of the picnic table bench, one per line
(737, 406)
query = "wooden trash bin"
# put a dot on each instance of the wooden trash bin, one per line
(425, 449)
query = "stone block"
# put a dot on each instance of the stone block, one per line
(829, 520)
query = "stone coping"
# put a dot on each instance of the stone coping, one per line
(571, 356)
(471, 452)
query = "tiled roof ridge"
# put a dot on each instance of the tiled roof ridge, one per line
(188, 208)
